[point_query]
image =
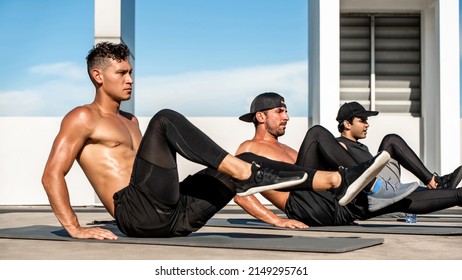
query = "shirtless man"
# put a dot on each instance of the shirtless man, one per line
(136, 177)
(319, 150)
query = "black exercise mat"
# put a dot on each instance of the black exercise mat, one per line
(415, 229)
(272, 242)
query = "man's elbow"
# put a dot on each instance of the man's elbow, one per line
(47, 180)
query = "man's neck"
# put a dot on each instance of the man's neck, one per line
(106, 105)
(349, 137)
(262, 134)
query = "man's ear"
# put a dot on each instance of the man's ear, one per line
(96, 75)
(347, 124)
(260, 116)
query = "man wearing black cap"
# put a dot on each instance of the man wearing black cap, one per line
(320, 150)
(352, 118)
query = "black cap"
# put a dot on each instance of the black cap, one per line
(353, 109)
(264, 101)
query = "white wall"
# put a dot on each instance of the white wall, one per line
(26, 143)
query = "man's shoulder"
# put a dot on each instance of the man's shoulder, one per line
(80, 114)
(254, 144)
(245, 146)
(272, 150)
(77, 123)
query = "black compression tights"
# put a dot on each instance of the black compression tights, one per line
(425, 201)
(400, 151)
(320, 150)
(155, 166)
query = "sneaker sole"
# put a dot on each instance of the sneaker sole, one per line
(277, 186)
(389, 201)
(361, 182)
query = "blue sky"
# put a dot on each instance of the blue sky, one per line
(203, 57)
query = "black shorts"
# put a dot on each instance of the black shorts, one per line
(317, 209)
(141, 214)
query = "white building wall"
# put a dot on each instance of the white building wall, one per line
(448, 54)
(324, 62)
(27, 142)
(24, 152)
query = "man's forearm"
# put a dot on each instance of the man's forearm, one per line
(59, 199)
(254, 207)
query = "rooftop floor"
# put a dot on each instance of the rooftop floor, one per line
(395, 246)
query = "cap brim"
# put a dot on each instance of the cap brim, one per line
(369, 114)
(247, 117)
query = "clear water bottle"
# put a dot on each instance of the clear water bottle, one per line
(411, 218)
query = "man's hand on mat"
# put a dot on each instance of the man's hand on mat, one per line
(93, 233)
(290, 223)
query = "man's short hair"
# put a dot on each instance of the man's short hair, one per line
(97, 57)
(341, 126)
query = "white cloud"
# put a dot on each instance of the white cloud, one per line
(50, 97)
(222, 93)
(206, 93)
(66, 70)
(54, 98)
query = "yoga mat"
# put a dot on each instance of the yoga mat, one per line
(435, 219)
(415, 229)
(272, 242)
(422, 218)
(453, 215)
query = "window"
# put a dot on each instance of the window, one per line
(380, 62)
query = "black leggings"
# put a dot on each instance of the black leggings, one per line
(400, 151)
(320, 150)
(155, 165)
(424, 201)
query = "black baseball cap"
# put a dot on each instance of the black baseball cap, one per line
(353, 109)
(262, 102)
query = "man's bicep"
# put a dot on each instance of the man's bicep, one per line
(68, 143)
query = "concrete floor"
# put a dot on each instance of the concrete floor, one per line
(395, 247)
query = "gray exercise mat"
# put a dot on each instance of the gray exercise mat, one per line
(421, 218)
(415, 229)
(453, 215)
(272, 242)
(435, 219)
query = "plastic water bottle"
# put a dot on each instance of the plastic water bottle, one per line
(411, 218)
